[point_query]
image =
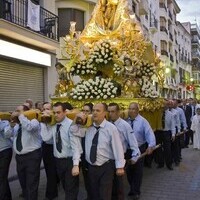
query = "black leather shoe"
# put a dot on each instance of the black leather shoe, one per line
(170, 167)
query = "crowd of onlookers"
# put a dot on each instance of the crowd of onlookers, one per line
(98, 141)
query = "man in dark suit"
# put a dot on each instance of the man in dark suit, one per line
(188, 115)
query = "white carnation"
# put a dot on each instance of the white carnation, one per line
(105, 96)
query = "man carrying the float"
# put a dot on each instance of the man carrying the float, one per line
(129, 143)
(67, 150)
(145, 137)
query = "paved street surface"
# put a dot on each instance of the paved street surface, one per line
(183, 183)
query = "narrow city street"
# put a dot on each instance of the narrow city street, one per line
(182, 183)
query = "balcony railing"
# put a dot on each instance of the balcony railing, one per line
(195, 40)
(171, 57)
(153, 23)
(171, 37)
(162, 5)
(196, 54)
(170, 15)
(164, 52)
(16, 11)
(163, 28)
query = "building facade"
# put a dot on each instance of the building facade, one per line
(29, 40)
(195, 34)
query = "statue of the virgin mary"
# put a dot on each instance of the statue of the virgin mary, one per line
(108, 19)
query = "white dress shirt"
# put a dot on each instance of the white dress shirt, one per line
(176, 118)
(5, 143)
(170, 122)
(127, 137)
(31, 139)
(71, 144)
(143, 131)
(109, 145)
(182, 118)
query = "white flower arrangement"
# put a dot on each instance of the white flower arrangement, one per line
(102, 52)
(97, 88)
(83, 68)
(146, 69)
(147, 88)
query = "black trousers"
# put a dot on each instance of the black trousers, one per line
(5, 159)
(84, 167)
(118, 188)
(28, 170)
(70, 183)
(164, 152)
(176, 150)
(50, 169)
(101, 180)
(135, 173)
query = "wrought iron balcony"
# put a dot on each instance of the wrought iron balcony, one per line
(171, 37)
(16, 12)
(164, 52)
(162, 5)
(153, 23)
(195, 41)
(171, 57)
(163, 28)
(170, 15)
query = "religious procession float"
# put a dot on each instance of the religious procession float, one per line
(113, 62)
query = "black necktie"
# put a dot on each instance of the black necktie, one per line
(93, 150)
(163, 120)
(132, 123)
(58, 138)
(19, 139)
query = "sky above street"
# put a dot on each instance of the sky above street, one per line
(190, 11)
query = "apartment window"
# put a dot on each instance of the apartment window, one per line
(162, 22)
(163, 45)
(66, 15)
(36, 2)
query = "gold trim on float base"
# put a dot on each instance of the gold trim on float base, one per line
(146, 104)
(150, 109)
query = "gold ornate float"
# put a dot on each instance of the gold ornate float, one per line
(113, 60)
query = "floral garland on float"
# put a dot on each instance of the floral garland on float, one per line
(112, 60)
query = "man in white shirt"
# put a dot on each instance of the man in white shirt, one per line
(129, 142)
(5, 159)
(49, 162)
(67, 150)
(27, 146)
(104, 153)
